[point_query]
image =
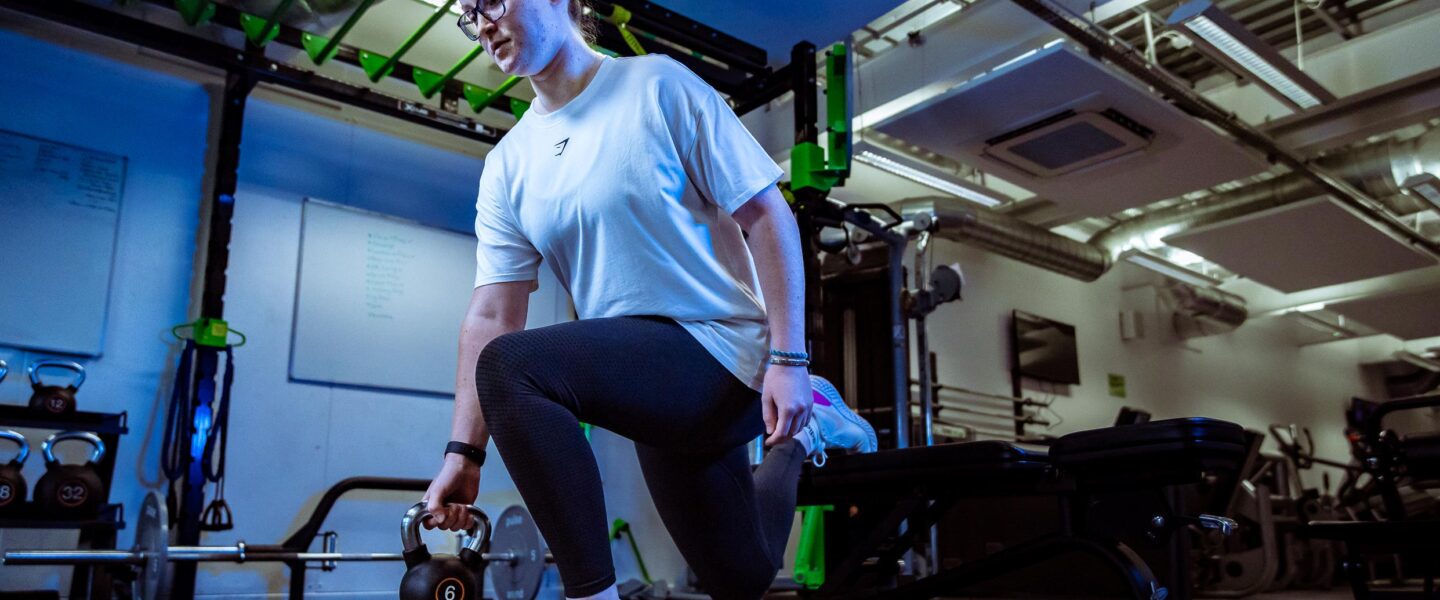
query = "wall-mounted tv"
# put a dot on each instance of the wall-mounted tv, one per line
(1044, 349)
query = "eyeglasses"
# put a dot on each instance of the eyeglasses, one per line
(491, 10)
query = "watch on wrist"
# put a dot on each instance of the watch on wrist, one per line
(475, 455)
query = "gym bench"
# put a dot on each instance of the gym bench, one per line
(923, 483)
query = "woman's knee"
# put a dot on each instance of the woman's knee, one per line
(502, 365)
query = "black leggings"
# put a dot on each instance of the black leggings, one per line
(648, 379)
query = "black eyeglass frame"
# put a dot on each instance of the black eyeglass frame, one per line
(471, 16)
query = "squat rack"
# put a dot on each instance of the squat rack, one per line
(733, 67)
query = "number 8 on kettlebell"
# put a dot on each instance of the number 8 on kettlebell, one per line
(71, 490)
(12, 481)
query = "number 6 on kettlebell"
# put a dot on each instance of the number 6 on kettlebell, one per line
(443, 577)
(12, 482)
(54, 399)
(71, 490)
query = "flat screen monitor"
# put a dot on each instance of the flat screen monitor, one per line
(1045, 349)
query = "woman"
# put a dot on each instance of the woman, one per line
(633, 179)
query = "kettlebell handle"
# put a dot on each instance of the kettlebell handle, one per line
(34, 371)
(479, 530)
(19, 440)
(48, 447)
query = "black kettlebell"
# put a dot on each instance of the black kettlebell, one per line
(12, 481)
(71, 490)
(54, 399)
(443, 577)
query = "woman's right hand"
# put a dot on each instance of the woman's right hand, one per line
(453, 489)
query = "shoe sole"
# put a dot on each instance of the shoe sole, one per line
(850, 416)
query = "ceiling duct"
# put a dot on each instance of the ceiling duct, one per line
(1201, 312)
(960, 221)
(1379, 169)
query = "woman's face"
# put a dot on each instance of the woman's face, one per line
(526, 37)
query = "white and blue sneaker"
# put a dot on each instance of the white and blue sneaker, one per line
(833, 426)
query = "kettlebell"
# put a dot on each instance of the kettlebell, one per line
(12, 481)
(54, 399)
(4, 370)
(443, 577)
(71, 490)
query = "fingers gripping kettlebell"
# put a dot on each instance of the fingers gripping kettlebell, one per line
(54, 399)
(443, 577)
(12, 481)
(71, 490)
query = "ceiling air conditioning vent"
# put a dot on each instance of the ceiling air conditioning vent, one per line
(1069, 141)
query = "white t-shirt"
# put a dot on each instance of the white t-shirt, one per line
(627, 192)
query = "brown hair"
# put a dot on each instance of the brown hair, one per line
(584, 23)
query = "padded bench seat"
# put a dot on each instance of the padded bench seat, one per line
(979, 468)
(1144, 455)
(1149, 454)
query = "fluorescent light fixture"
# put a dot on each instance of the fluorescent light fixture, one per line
(895, 167)
(1424, 186)
(1226, 40)
(1310, 320)
(1311, 307)
(1429, 364)
(1168, 269)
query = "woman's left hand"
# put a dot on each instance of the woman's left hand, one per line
(786, 402)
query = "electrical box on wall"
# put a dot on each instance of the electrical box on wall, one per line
(1132, 325)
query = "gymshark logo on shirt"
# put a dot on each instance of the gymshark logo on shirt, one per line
(561, 145)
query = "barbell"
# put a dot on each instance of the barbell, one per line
(517, 561)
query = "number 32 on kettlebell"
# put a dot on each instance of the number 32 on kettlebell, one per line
(71, 490)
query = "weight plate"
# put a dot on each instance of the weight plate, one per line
(516, 534)
(152, 541)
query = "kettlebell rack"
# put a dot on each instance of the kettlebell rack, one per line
(96, 532)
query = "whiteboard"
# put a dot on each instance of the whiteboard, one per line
(59, 217)
(379, 300)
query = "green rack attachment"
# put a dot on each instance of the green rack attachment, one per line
(621, 527)
(810, 554)
(431, 82)
(809, 165)
(260, 31)
(479, 97)
(377, 66)
(195, 12)
(212, 333)
(321, 48)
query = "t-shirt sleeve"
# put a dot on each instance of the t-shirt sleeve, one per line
(724, 161)
(502, 253)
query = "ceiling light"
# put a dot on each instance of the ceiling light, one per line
(1311, 307)
(1224, 39)
(1335, 330)
(900, 169)
(1429, 364)
(1169, 269)
(1424, 186)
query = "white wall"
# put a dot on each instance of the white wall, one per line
(159, 123)
(1254, 376)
